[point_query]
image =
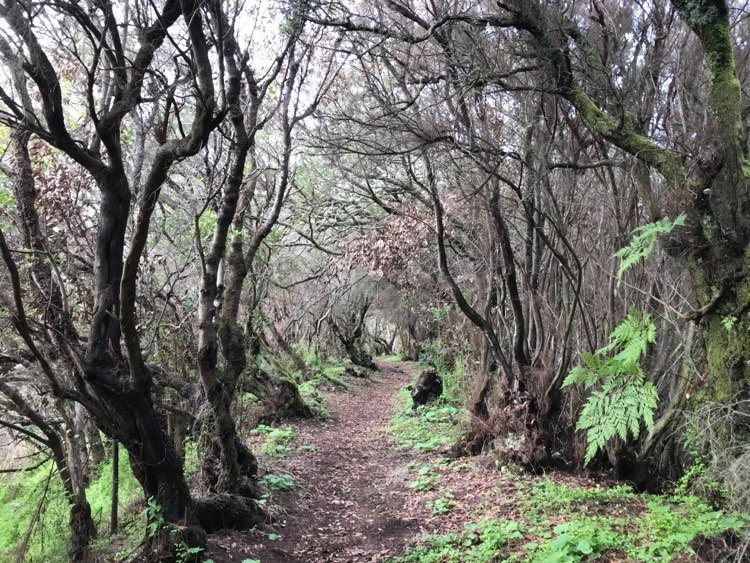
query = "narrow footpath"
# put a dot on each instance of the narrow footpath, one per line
(350, 502)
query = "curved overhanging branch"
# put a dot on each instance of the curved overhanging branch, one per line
(20, 321)
(466, 308)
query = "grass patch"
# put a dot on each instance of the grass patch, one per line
(391, 359)
(325, 376)
(551, 496)
(331, 374)
(20, 498)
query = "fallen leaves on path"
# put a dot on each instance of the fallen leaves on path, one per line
(350, 502)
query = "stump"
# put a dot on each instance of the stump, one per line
(225, 511)
(428, 387)
(285, 402)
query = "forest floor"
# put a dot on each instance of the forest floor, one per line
(371, 483)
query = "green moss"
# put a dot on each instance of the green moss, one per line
(638, 145)
(592, 114)
(744, 290)
(727, 357)
(704, 290)
(710, 21)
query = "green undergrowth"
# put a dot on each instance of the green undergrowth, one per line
(278, 440)
(425, 479)
(432, 426)
(449, 365)
(428, 427)
(20, 498)
(282, 482)
(322, 375)
(48, 539)
(567, 523)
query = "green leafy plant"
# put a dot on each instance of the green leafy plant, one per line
(671, 528)
(184, 553)
(559, 497)
(728, 323)
(278, 440)
(283, 482)
(493, 536)
(427, 428)
(624, 398)
(441, 505)
(439, 314)
(154, 517)
(664, 527)
(155, 522)
(583, 539)
(425, 480)
(699, 480)
(478, 543)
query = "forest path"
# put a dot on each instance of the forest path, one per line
(350, 502)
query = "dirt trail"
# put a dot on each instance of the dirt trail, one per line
(350, 495)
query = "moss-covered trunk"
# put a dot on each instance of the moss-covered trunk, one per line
(725, 328)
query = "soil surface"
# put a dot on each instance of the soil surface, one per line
(351, 502)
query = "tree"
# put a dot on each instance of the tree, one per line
(109, 375)
(231, 258)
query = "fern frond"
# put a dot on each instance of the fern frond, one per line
(625, 400)
(642, 244)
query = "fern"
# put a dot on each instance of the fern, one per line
(644, 241)
(625, 399)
